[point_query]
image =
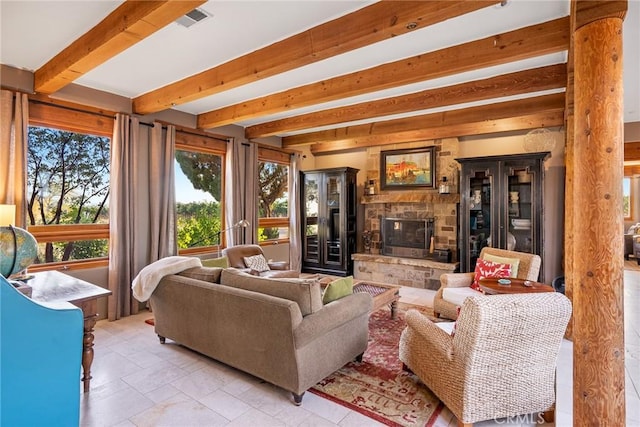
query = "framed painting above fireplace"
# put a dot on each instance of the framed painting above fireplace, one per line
(407, 169)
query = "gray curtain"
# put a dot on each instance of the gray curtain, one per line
(141, 208)
(14, 123)
(241, 189)
(295, 238)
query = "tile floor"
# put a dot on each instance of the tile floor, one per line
(139, 382)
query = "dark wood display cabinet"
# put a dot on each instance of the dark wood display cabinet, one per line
(329, 220)
(500, 205)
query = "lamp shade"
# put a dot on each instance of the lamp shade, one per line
(7, 215)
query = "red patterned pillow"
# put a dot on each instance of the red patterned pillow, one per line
(489, 269)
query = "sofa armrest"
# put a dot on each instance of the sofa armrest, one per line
(456, 280)
(438, 341)
(331, 316)
(278, 265)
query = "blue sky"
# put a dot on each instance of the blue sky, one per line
(185, 192)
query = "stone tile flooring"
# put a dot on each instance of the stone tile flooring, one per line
(139, 382)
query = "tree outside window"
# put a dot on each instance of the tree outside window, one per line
(273, 201)
(68, 188)
(199, 184)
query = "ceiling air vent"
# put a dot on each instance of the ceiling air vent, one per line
(193, 17)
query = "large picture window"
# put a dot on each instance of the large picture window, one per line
(273, 196)
(626, 197)
(68, 160)
(199, 181)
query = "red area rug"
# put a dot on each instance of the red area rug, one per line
(150, 321)
(378, 387)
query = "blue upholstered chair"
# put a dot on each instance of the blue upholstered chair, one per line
(41, 348)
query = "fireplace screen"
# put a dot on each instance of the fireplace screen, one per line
(409, 238)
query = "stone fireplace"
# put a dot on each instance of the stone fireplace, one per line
(406, 237)
(411, 269)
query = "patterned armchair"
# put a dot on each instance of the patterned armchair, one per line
(444, 306)
(501, 361)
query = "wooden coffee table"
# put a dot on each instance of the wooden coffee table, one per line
(382, 294)
(491, 286)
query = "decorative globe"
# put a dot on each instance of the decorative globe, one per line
(18, 250)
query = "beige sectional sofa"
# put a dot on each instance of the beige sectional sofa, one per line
(273, 328)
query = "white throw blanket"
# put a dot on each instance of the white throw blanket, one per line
(146, 281)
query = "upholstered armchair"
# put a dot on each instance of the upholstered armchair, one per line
(501, 361)
(237, 256)
(455, 287)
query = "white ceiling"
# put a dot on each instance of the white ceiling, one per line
(32, 32)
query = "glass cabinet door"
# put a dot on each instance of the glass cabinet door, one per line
(481, 215)
(520, 212)
(311, 210)
(333, 237)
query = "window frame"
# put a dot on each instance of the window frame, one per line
(275, 155)
(70, 117)
(202, 142)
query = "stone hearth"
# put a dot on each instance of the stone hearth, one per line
(415, 273)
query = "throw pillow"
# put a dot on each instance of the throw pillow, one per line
(222, 262)
(257, 263)
(513, 262)
(337, 289)
(486, 268)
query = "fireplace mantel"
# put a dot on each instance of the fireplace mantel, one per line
(411, 197)
(415, 273)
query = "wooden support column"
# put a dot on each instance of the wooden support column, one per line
(597, 259)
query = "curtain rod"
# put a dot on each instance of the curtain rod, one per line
(110, 116)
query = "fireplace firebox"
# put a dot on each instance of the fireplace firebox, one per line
(404, 237)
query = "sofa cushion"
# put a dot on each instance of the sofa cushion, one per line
(222, 262)
(489, 269)
(337, 289)
(306, 293)
(513, 262)
(256, 263)
(458, 295)
(206, 274)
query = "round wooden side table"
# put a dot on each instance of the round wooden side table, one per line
(491, 286)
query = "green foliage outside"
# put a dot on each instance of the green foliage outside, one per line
(198, 224)
(68, 183)
(272, 200)
(626, 206)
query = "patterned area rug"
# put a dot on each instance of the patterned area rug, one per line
(378, 387)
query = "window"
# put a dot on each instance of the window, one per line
(68, 183)
(199, 180)
(626, 197)
(273, 196)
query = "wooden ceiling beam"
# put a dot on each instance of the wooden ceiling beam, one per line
(540, 39)
(527, 81)
(529, 121)
(632, 151)
(372, 24)
(130, 23)
(470, 121)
